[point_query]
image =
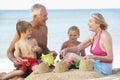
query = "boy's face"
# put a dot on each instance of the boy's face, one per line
(73, 35)
(28, 32)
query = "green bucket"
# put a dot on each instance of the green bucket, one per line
(77, 64)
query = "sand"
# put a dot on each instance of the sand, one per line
(75, 74)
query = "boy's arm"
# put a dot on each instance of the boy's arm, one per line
(36, 48)
(18, 52)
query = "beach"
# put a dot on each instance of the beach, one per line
(76, 74)
(7, 66)
(58, 23)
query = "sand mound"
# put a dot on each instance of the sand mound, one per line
(61, 66)
(86, 65)
(73, 74)
(42, 68)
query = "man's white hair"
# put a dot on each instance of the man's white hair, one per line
(36, 8)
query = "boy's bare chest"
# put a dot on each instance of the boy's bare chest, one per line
(26, 47)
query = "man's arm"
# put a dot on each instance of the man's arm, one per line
(45, 48)
(11, 49)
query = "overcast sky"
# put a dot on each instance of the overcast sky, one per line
(60, 4)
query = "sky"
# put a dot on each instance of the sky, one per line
(60, 4)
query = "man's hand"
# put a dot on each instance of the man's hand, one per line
(17, 62)
(54, 53)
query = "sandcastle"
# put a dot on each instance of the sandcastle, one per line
(62, 73)
(86, 65)
(61, 66)
(42, 68)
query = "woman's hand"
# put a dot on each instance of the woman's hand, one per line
(54, 53)
(88, 57)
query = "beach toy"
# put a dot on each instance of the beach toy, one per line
(77, 64)
(48, 59)
(24, 62)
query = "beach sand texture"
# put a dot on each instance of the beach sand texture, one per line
(75, 74)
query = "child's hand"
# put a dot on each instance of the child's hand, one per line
(36, 49)
(63, 52)
(25, 62)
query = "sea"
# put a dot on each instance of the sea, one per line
(58, 23)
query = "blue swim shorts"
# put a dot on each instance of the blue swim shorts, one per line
(103, 68)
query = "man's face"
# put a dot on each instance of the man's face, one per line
(42, 17)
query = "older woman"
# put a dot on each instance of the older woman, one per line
(101, 45)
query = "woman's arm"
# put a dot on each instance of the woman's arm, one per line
(81, 46)
(85, 44)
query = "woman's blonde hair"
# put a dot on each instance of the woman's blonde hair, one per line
(100, 20)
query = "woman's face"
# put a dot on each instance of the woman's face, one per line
(93, 26)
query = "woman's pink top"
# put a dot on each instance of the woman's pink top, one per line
(97, 50)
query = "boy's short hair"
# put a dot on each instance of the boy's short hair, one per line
(22, 26)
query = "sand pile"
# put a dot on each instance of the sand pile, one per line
(42, 68)
(61, 67)
(61, 72)
(86, 65)
(73, 74)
